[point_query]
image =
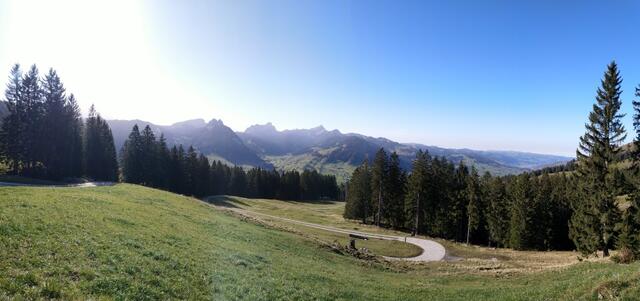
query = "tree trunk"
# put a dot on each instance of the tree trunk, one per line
(468, 228)
(415, 231)
(379, 203)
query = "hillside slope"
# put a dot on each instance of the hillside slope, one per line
(130, 242)
(213, 139)
(329, 152)
(337, 153)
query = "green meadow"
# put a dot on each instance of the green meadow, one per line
(128, 242)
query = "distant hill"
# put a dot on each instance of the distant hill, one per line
(338, 153)
(213, 139)
(329, 152)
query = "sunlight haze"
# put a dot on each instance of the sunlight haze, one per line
(446, 74)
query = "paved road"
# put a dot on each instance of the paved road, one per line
(88, 184)
(432, 251)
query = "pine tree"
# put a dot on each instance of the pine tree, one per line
(595, 216)
(22, 129)
(99, 152)
(12, 136)
(520, 226)
(473, 203)
(396, 183)
(31, 95)
(636, 126)
(628, 241)
(359, 194)
(132, 158)
(498, 212)
(202, 174)
(60, 141)
(161, 178)
(379, 173)
(543, 213)
(74, 157)
(191, 171)
(417, 190)
(148, 157)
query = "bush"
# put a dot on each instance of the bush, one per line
(625, 256)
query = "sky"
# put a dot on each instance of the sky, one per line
(489, 75)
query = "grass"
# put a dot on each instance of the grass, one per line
(317, 161)
(330, 213)
(129, 242)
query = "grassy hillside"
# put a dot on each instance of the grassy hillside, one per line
(130, 242)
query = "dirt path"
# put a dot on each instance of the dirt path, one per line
(431, 250)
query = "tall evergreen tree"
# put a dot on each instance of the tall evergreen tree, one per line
(417, 190)
(396, 183)
(593, 222)
(629, 238)
(498, 212)
(99, 155)
(473, 203)
(60, 137)
(13, 135)
(379, 173)
(149, 157)
(132, 157)
(522, 211)
(359, 194)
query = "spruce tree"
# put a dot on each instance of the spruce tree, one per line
(417, 190)
(149, 157)
(628, 241)
(99, 153)
(396, 192)
(131, 157)
(593, 222)
(379, 173)
(521, 226)
(473, 203)
(13, 136)
(498, 212)
(359, 194)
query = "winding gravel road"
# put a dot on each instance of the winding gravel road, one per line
(431, 250)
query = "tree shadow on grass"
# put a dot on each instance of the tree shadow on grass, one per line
(224, 201)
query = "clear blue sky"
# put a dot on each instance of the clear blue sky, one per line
(477, 74)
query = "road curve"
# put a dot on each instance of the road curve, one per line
(431, 250)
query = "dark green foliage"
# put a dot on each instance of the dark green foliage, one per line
(60, 141)
(147, 161)
(358, 197)
(43, 134)
(528, 212)
(396, 182)
(629, 237)
(473, 195)
(379, 173)
(595, 216)
(100, 161)
(498, 215)
(417, 191)
(132, 158)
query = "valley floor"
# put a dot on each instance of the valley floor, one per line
(131, 242)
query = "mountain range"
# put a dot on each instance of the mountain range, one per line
(329, 152)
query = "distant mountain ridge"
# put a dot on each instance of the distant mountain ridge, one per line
(329, 152)
(213, 139)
